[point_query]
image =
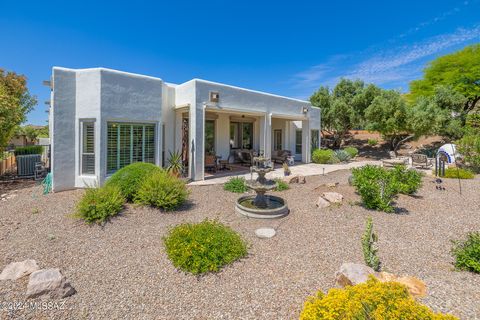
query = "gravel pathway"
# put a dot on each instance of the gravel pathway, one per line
(121, 271)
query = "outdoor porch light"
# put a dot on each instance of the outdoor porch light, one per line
(304, 110)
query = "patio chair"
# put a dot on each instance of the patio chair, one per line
(394, 160)
(211, 163)
(281, 156)
(225, 164)
(421, 160)
(245, 157)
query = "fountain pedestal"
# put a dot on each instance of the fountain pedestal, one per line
(261, 205)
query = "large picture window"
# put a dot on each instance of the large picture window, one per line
(241, 135)
(128, 143)
(88, 147)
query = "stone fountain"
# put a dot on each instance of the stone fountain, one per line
(261, 205)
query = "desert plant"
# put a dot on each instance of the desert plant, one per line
(129, 178)
(235, 184)
(372, 142)
(467, 253)
(324, 156)
(281, 185)
(203, 247)
(458, 173)
(409, 180)
(20, 151)
(369, 246)
(352, 151)
(175, 164)
(342, 155)
(162, 190)
(369, 300)
(375, 186)
(98, 204)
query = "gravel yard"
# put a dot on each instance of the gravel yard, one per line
(120, 271)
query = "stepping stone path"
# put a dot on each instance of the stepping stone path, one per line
(265, 233)
(49, 282)
(17, 270)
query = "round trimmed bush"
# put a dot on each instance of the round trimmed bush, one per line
(370, 300)
(162, 190)
(353, 152)
(322, 156)
(203, 247)
(99, 204)
(129, 178)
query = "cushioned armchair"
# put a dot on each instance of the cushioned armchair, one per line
(281, 156)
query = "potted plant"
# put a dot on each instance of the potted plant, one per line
(286, 169)
(175, 165)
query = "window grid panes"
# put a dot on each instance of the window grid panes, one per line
(88, 147)
(129, 143)
(277, 139)
(298, 141)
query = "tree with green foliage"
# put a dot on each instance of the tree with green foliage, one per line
(459, 70)
(15, 103)
(343, 107)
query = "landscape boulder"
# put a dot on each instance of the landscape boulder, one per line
(332, 184)
(322, 203)
(291, 179)
(16, 270)
(49, 282)
(415, 287)
(333, 197)
(351, 274)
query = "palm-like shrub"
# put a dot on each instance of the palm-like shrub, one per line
(467, 253)
(99, 204)
(162, 190)
(203, 247)
(353, 152)
(324, 156)
(370, 300)
(235, 184)
(129, 178)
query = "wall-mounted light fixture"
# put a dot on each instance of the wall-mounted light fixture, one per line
(214, 96)
(304, 110)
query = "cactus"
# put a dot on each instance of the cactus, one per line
(369, 245)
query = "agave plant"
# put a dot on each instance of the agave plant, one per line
(175, 165)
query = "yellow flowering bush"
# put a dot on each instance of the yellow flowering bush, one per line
(372, 300)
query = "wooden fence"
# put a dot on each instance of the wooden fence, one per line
(7, 164)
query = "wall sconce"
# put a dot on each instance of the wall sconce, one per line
(304, 110)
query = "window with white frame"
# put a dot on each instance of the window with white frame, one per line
(277, 139)
(88, 147)
(128, 143)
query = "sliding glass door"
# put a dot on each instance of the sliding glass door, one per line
(241, 135)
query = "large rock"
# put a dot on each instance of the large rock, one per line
(333, 197)
(265, 233)
(49, 282)
(415, 287)
(16, 270)
(302, 179)
(351, 274)
(322, 203)
(291, 179)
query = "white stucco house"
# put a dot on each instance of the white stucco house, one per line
(102, 119)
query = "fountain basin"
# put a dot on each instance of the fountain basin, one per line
(276, 207)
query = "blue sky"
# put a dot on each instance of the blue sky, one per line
(288, 48)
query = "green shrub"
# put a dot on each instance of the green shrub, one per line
(353, 152)
(20, 151)
(235, 184)
(99, 204)
(162, 190)
(375, 186)
(409, 180)
(467, 253)
(469, 148)
(203, 247)
(342, 155)
(130, 178)
(458, 173)
(281, 185)
(369, 246)
(324, 156)
(372, 142)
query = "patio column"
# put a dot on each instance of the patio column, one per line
(196, 141)
(306, 141)
(266, 134)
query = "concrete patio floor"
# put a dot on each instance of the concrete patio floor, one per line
(308, 169)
